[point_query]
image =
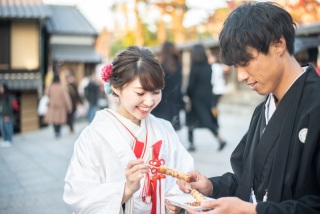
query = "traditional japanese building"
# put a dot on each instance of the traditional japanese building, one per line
(32, 37)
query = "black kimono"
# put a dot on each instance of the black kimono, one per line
(285, 158)
(200, 92)
(171, 102)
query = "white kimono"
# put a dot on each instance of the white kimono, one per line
(95, 179)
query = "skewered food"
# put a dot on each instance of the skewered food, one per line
(194, 204)
(197, 195)
(174, 173)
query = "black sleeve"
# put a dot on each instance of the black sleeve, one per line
(305, 204)
(225, 185)
(308, 204)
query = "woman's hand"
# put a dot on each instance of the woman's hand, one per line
(172, 209)
(134, 173)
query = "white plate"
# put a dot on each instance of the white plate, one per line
(181, 200)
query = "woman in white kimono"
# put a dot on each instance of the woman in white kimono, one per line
(110, 168)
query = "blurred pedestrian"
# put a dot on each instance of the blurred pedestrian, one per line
(114, 167)
(82, 110)
(199, 91)
(276, 165)
(8, 104)
(92, 94)
(59, 105)
(309, 56)
(313, 58)
(218, 82)
(75, 100)
(171, 103)
(82, 85)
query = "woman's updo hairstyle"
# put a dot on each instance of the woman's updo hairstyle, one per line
(137, 62)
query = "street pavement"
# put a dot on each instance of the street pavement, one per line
(32, 170)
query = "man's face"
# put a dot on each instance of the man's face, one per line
(263, 73)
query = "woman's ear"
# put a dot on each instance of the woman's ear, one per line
(115, 90)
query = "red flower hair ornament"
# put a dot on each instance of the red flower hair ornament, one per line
(106, 74)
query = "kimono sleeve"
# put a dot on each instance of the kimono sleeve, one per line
(307, 204)
(308, 200)
(227, 184)
(86, 188)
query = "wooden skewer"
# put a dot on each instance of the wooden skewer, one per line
(153, 166)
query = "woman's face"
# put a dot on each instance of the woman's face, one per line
(1, 89)
(136, 103)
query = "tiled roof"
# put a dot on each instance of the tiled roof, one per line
(304, 43)
(21, 81)
(75, 53)
(308, 29)
(23, 9)
(68, 20)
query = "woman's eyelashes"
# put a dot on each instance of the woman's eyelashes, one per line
(143, 93)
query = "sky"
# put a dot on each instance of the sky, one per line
(99, 14)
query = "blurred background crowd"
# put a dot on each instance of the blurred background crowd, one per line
(44, 44)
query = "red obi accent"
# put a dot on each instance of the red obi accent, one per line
(156, 149)
(154, 188)
(139, 148)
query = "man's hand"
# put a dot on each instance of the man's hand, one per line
(230, 205)
(198, 182)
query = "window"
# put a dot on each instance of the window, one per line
(4, 45)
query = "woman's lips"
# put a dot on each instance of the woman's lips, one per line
(144, 110)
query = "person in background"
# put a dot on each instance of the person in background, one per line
(75, 100)
(91, 93)
(308, 56)
(113, 167)
(218, 82)
(8, 104)
(59, 105)
(313, 58)
(171, 102)
(82, 110)
(199, 92)
(276, 165)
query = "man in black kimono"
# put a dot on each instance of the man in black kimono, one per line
(277, 163)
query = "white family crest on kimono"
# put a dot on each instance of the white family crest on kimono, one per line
(96, 178)
(303, 135)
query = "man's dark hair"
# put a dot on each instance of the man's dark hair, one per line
(255, 25)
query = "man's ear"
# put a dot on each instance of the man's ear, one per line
(280, 45)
